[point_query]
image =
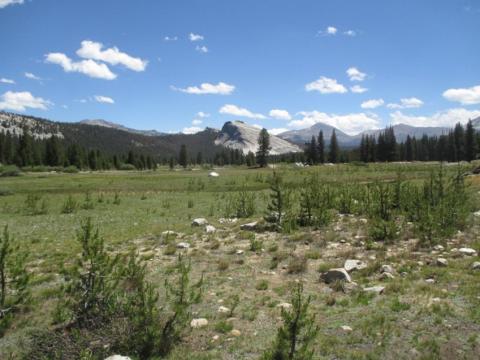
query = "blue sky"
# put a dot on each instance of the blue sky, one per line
(177, 65)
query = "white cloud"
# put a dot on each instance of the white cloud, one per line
(87, 67)
(196, 122)
(280, 114)
(326, 85)
(104, 99)
(331, 30)
(20, 101)
(355, 75)
(357, 89)
(372, 104)
(202, 114)
(195, 37)
(465, 96)
(446, 118)
(202, 49)
(407, 103)
(191, 130)
(350, 33)
(170, 38)
(277, 131)
(206, 88)
(351, 124)
(6, 81)
(29, 75)
(113, 56)
(4, 3)
(238, 111)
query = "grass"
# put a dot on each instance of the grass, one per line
(133, 209)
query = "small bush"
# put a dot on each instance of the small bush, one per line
(69, 206)
(223, 265)
(262, 285)
(297, 265)
(223, 327)
(256, 245)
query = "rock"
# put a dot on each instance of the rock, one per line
(199, 222)
(387, 276)
(227, 221)
(477, 213)
(250, 226)
(199, 323)
(375, 289)
(346, 328)
(235, 333)
(239, 252)
(430, 281)
(351, 265)
(442, 262)
(387, 269)
(169, 233)
(438, 248)
(210, 229)
(183, 245)
(333, 275)
(285, 306)
(476, 265)
(223, 310)
(467, 251)
(215, 337)
(213, 174)
(117, 357)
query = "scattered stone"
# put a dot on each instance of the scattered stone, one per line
(476, 265)
(476, 213)
(199, 222)
(215, 337)
(169, 233)
(420, 263)
(183, 245)
(117, 357)
(235, 333)
(199, 323)
(227, 221)
(210, 229)
(363, 220)
(250, 226)
(351, 265)
(387, 276)
(442, 262)
(375, 289)
(213, 174)
(467, 251)
(346, 328)
(223, 310)
(285, 306)
(430, 281)
(333, 275)
(387, 269)
(438, 248)
(239, 252)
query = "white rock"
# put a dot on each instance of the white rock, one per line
(117, 357)
(346, 328)
(285, 305)
(333, 275)
(438, 248)
(375, 289)
(387, 269)
(467, 251)
(235, 332)
(210, 229)
(430, 281)
(239, 252)
(213, 174)
(442, 262)
(199, 222)
(387, 276)
(476, 213)
(169, 233)
(223, 310)
(476, 265)
(250, 226)
(199, 323)
(183, 245)
(351, 265)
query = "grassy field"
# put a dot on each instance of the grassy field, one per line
(411, 319)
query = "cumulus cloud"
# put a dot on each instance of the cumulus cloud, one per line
(326, 85)
(277, 131)
(465, 96)
(20, 101)
(206, 88)
(447, 118)
(234, 110)
(355, 75)
(191, 130)
(196, 122)
(351, 124)
(31, 76)
(407, 103)
(372, 104)
(7, 81)
(195, 37)
(4, 3)
(202, 49)
(113, 56)
(280, 114)
(170, 38)
(357, 89)
(104, 99)
(350, 33)
(87, 67)
(202, 114)
(332, 30)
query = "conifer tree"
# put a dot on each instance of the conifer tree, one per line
(321, 148)
(263, 148)
(470, 143)
(334, 150)
(182, 156)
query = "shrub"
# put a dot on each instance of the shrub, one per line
(33, 206)
(262, 285)
(382, 230)
(10, 170)
(223, 265)
(297, 265)
(71, 170)
(127, 167)
(255, 245)
(70, 205)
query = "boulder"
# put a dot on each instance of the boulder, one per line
(351, 265)
(250, 226)
(235, 333)
(223, 310)
(333, 275)
(199, 323)
(199, 222)
(467, 251)
(117, 357)
(375, 289)
(213, 174)
(442, 262)
(476, 265)
(210, 229)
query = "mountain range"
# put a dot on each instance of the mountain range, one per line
(113, 138)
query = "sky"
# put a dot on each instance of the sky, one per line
(178, 65)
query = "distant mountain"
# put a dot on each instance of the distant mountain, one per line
(476, 123)
(239, 135)
(108, 124)
(302, 136)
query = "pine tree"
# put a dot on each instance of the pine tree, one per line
(409, 149)
(470, 142)
(459, 136)
(276, 207)
(334, 150)
(263, 148)
(313, 154)
(321, 148)
(182, 156)
(25, 149)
